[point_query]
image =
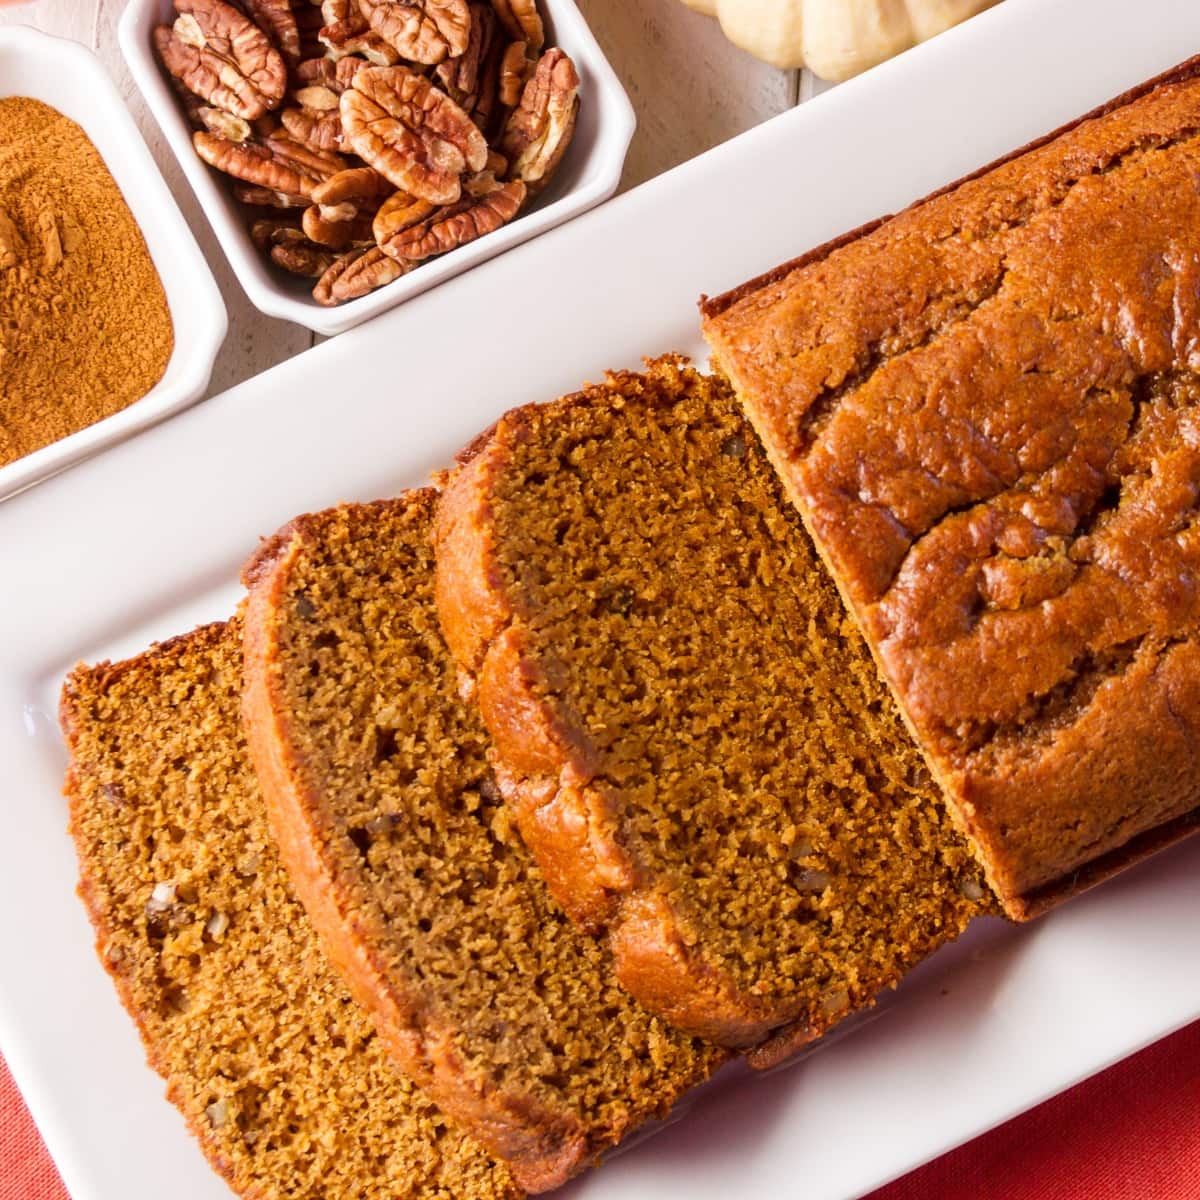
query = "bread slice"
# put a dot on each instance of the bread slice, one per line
(377, 783)
(695, 741)
(278, 1073)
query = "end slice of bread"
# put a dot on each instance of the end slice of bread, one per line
(693, 736)
(387, 815)
(277, 1071)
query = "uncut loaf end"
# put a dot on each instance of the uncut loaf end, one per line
(987, 410)
(692, 734)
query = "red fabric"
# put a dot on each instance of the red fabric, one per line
(26, 1172)
(1132, 1133)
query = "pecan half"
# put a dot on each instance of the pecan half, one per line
(278, 163)
(489, 179)
(347, 32)
(318, 129)
(223, 58)
(522, 22)
(317, 97)
(317, 122)
(343, 12)
(337, 226)
(251, 162)
(223, 124)
(355, 274)
(303, 258)
(362, 186)
(318, 164)
(277, 20)
(459, 75)
(515, 69)
(538, 131)
(454, 226)
(422, 31)
(273, 231)
(335, 74)
(398, 213)
(486, 110)
(412, 133)
(264, 197)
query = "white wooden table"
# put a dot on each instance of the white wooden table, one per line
(690, 87)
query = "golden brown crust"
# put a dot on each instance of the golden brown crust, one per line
(543, 1149)
(674, 979)
(548, 771)
(712, 307)
(989, 441)
(1137, 850)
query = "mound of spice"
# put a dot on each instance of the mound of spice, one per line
(84, 324)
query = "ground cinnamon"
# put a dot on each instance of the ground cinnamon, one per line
(84, 324)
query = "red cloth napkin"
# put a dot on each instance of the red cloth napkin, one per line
(26, 1172)
(1131, 1133)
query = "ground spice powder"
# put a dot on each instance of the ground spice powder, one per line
(84, 324)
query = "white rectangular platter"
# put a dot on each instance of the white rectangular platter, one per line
(146, 540)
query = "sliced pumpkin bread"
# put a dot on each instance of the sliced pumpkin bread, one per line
(386, 813)
(692, 734)
(278, 1072)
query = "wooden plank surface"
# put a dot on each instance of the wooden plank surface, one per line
(691, 90)
(690, 87)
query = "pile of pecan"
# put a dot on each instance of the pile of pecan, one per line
(367, 136)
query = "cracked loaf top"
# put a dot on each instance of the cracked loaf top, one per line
(988, 411)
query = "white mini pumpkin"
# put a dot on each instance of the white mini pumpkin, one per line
(834, 38)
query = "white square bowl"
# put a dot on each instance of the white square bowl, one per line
(70, 78)
(588, 174)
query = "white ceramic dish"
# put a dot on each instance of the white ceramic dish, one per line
(70, 78)
(985, 1029)
(589, 174)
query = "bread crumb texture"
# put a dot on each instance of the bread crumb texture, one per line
(680, 623)
(390, 772)
(276, 1070)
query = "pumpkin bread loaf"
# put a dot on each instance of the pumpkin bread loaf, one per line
(692, 734)
(278, 1072)
(988, 412)
(386, 813)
